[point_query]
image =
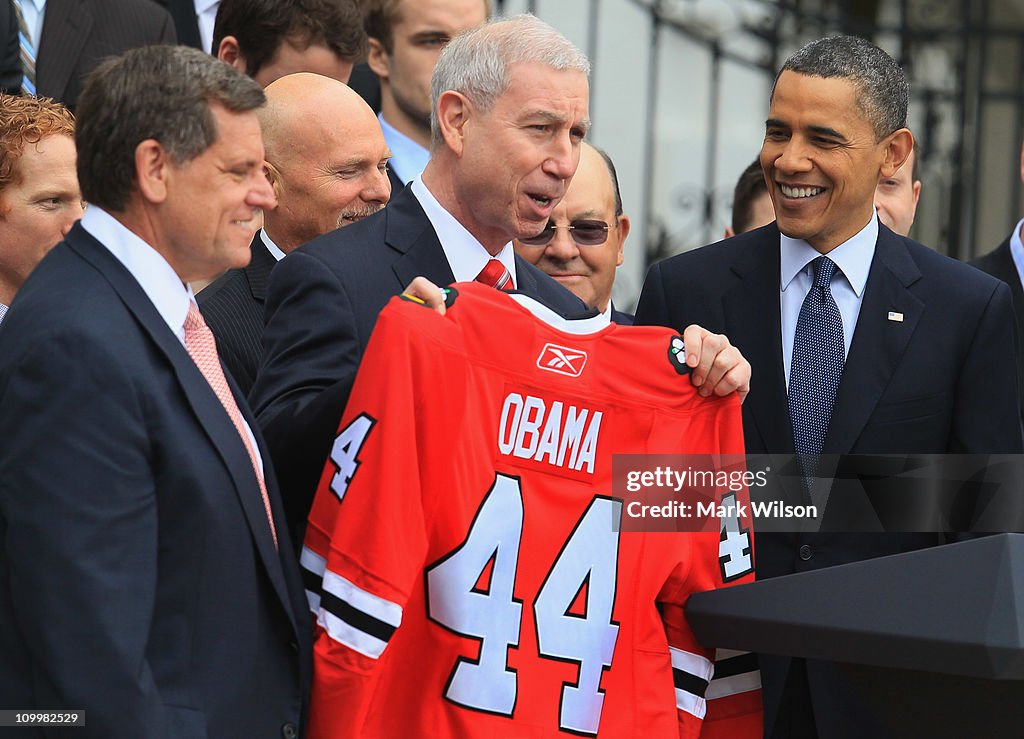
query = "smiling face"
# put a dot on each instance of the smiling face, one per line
(514, 162)
(822, 161)
(211, 204)
(588, 271)
(326, 157)
(37, 208)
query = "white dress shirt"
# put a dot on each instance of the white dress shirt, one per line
(853, 259)
(466, 256)
(170, 296)
(3, 312)
(408, 158)
(206, 14)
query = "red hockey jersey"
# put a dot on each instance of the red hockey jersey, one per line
(464, 558)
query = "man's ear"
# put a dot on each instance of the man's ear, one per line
(274, 178)
(623, 233)
(453, 114)
(230, 52)
(898, 146)
(152, 169)
(378, 59)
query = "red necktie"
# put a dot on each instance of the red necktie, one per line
(495, 275)
(202, 348)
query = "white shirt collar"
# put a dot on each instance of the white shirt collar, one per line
(852, 257)
(408, 158)
(155, 276)
(466, 256)
(271, 246)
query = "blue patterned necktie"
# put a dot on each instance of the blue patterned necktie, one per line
(28, 53)
(817, 364)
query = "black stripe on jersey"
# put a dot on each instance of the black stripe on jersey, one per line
(313, 582)
(688, 682)
(359, 620)
(737, 665)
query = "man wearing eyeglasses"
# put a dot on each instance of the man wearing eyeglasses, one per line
(582, 244)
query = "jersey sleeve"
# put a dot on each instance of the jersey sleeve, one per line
(366, 537)
(718, 692)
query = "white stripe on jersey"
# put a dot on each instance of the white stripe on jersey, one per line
(742, 682)
(698, 667)
(368, 603)
(313, 562)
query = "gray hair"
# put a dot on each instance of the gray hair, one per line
(883, 92)
(154, 92)
(475, 63)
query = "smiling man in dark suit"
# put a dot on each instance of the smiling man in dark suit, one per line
(146, 575)
(504, 149)
(861, 341)
(326, 160)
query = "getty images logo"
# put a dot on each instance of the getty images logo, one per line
(562, 359)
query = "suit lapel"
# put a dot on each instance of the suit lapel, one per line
(203, 401)
(408, 231)
(260, 265)
(66, 27)
(753, 320)
(878, 342)
(526, 280)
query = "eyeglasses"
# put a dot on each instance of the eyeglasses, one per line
(584, 233)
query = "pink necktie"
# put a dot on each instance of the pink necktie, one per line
(495, 275)
(202, 348)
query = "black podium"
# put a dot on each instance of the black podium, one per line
(933, 639)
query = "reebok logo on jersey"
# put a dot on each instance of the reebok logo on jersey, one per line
(562, 359)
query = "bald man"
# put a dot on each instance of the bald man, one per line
(326, 159)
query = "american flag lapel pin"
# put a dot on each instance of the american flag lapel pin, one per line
(895, 316)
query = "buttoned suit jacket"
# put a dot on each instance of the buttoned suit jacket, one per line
(232, 306)
(936, 377)
(999, 263)
(79, 34)
(322, 305)
(138, 579)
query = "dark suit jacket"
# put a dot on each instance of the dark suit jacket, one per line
(322, 304)
(232, 306)
(10, 51)
(939, 381)
(365, 82)
(999, 263)
(621, 317)
(138, 577)
(396, 182)
(79, 34)
(186, 25)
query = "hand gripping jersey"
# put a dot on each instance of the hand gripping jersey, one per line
(463, 557)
